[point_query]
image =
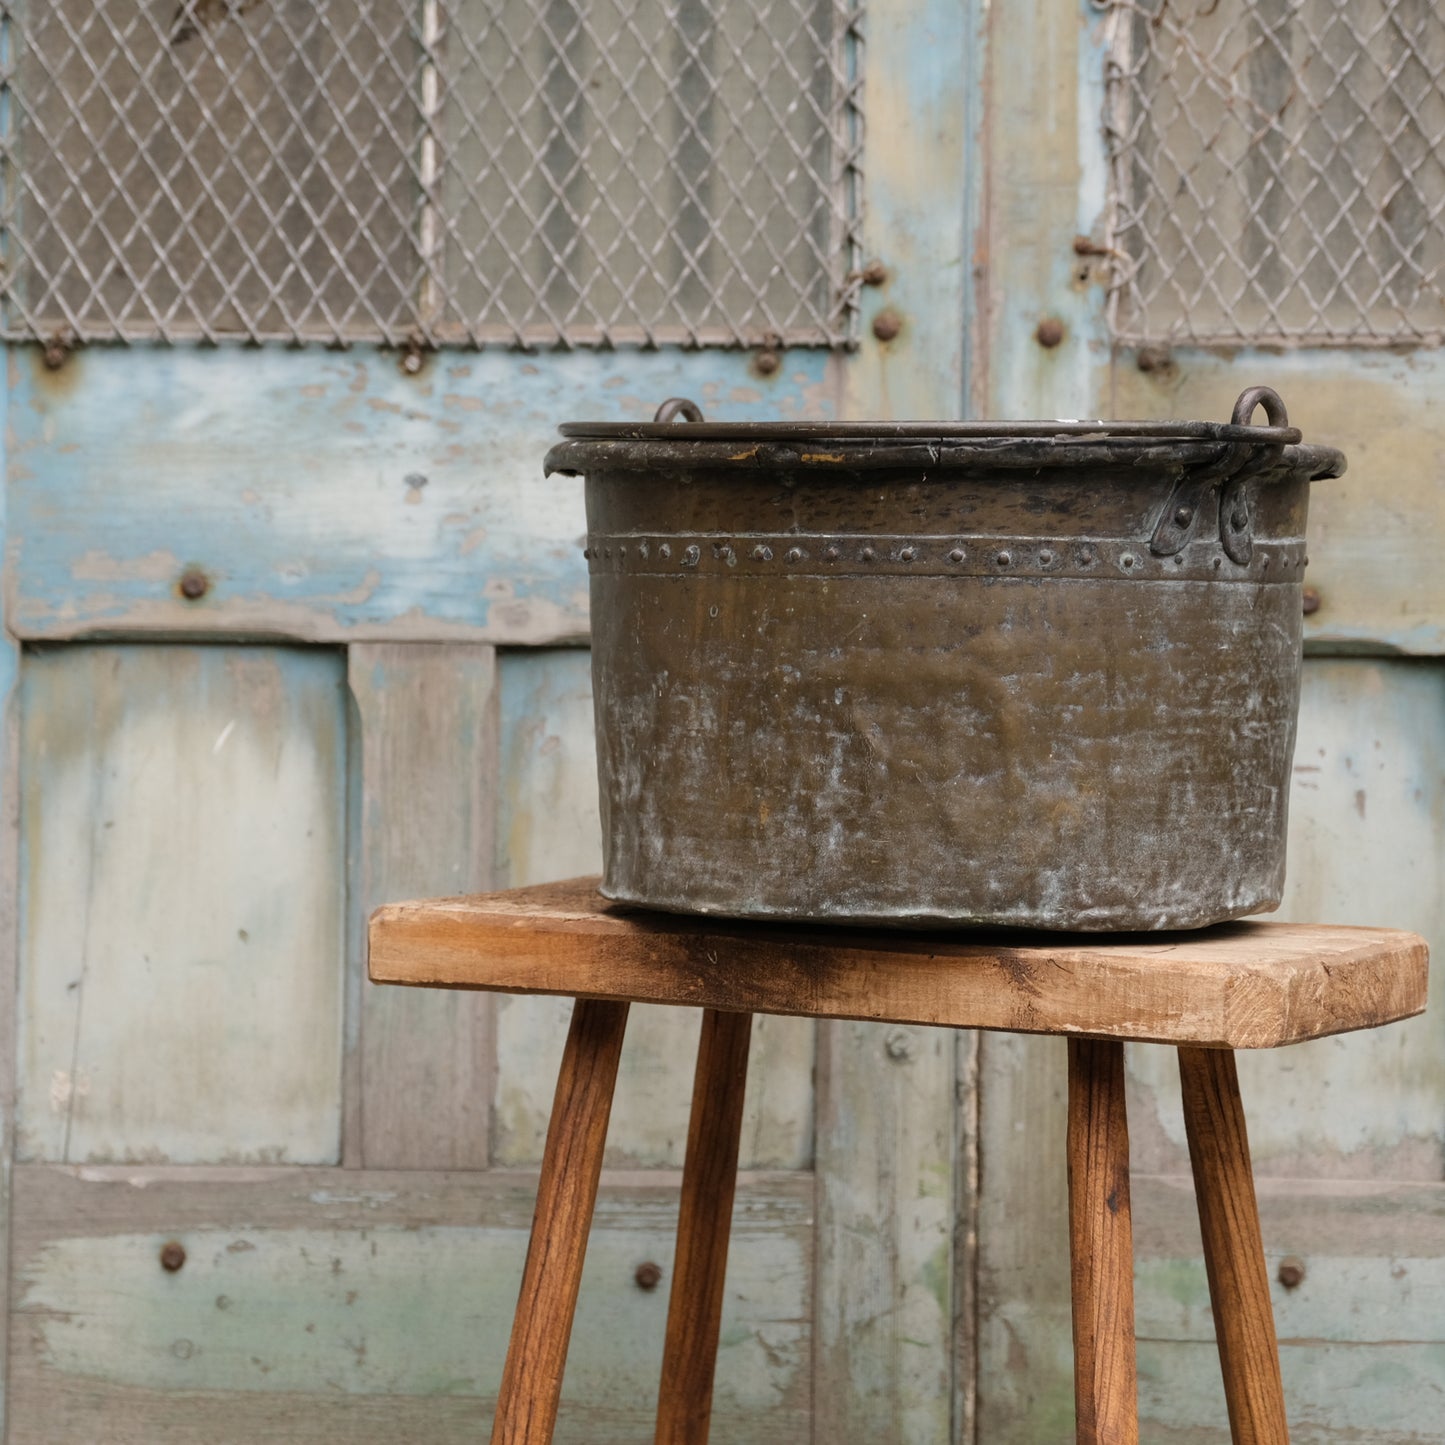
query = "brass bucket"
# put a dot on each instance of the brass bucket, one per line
(929, 674)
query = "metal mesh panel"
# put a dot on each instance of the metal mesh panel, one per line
(1277, 171)
(520, 171)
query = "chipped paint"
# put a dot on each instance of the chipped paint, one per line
(321, 492)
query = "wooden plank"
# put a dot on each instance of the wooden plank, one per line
(548, 827)
(1242, 985)
(1025, 1364)
(704, 1226)
(370, 1306)
(326, 497)
(9, 948)
(886, 1176)
(426, 824)
(1101, 1246)
(182, 951)
(1233, 1248)
(1362, 1337)
(1365, 845)
(531, 1387)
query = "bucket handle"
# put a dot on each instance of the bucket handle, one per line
(679, 406)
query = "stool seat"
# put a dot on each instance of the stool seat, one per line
(1235, 986)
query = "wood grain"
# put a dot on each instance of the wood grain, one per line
(182, 950)
(887, 1353)
(1106, 1386)
(709, 1181)
(421, 1093)
(571, 1166)
(1242, 985)
(371, 1306)
(1233, 1247)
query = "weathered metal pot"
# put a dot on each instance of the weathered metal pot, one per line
(1037, 674)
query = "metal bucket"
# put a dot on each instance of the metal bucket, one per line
(1037, 674)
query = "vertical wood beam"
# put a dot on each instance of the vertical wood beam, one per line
(1233, 1247)
(424, 769)
(709, 1182)
(1106, 1390)
(566, 1193)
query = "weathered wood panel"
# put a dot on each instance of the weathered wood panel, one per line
(1025, 1352)
(326, 497)
(1375, 535)
(887, 1201)
(548, 828)
(181, 895)
(427, 718)
(370, 1306)
(1365, 845)
(1362, 1337)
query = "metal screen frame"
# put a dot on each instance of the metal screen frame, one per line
(405, 247)
(1276, 172)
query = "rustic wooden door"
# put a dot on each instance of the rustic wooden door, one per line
(1201, 198)
(295, 626)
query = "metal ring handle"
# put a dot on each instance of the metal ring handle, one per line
(1257, 396)
(679, 406)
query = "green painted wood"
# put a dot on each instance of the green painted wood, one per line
(548, 828)
(426, 736)
(181, 904)
(1025, 1349)
(370, 1306)
(887, 1202)
(1362, 1336)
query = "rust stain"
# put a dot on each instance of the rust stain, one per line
(822, 456)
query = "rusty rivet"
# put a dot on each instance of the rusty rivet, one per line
(173, 1255)
(956, 555)
(887, 324)
(1310, 600)
(830, 553)
(875, 273)
(57, 353)
(867, 554)
(412, 359)
(1291, 1271)
(899, 1044)
(1184, 516)
(648, 1275)
(1239, 519)
(795, 554)
(907, 554)
(1049, 332)
(1004, 558)
(1153, 358)
(194, 584)
(765, 363)
(1046, 558)
(762, 554)
(691, 557)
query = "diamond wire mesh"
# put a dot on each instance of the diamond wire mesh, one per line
(1277, 171)
(440, 172)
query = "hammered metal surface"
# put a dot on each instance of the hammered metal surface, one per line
(973, 696)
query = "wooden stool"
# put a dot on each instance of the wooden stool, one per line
(1243, 985)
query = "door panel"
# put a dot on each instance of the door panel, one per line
(182, 950)
(1348, 1133)
(422, 793)
(391, 503)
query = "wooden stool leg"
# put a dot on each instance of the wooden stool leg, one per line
(709, 1177)
(566, 1192)
(1101, 1239)
(1233, 1247)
